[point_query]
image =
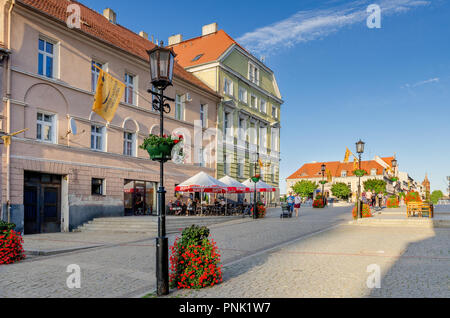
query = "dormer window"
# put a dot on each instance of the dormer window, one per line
(253, 73)
(373, 172)
(343, 173)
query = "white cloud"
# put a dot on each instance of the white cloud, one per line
(310, 25)
(429, 81)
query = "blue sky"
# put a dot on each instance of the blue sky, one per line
(340, 80)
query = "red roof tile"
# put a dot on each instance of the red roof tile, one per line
(96, 25)
(313, 170)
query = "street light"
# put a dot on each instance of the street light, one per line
(394, 166)
(323, 183)
(161, 74)
(255, 179)
(360, 150)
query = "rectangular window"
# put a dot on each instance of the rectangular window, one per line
(45, 58)
(343, 173)
(253, 101)
(373, 172)
(46, 127)
(262, 137)
(227, 86)
(128, 144)
(274, 112)
(179, 107)
(274, 139)
(241, 132)
(129, 89)
(97, 186)
(253, 73)
(97, 137)
(263, 106)
(204, 115)
(242, 95)
(95, 73)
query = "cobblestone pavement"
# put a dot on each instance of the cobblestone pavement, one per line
(329, 258)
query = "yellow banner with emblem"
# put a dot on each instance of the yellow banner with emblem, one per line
(347, 155)
(108, 94)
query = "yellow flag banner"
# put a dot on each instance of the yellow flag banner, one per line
(355, 163)
(260, 163)
(329, 176)
(108, 94)
(347, 155)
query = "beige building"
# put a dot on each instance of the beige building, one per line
(54, 180)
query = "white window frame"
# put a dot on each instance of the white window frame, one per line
(179, 107)
(204, 115)
(256, 101)
(127, 141)
(243, 95)
(253, 73)
(373, 172)
(102, 134)
(45, 54)
(95, 73)
(128, 79)
(274, 112)
(52, 125)
(261, 103)
(344, 174)
(227, 86)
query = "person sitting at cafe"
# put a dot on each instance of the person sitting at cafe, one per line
(189, 207)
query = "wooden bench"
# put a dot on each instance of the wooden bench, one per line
(422, 209)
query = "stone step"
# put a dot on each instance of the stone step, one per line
(425, 222)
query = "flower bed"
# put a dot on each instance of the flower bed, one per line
(365, 211)
(392, 202)
(412, 197)
(319, 203)
(11, 249)
(195, 260)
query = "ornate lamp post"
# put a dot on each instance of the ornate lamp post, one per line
(255, 179)
(360, 150)
(161, 74)
(394, 166)
(323, 183)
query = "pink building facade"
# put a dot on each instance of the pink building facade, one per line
(54, 180)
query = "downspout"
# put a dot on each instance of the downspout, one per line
(8, 117)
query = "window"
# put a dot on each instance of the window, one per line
(227, 86)
(274, 112)
(373, 172)
(45, 128)
(97, 137)
(204, 115)
(274, 139)
(179, 107)
(253, 101)
(241, 132)
(46, 58)
(197, 57)
(128, 144)
(263, 106)
(97, 186)
(253, 73)
(242, 95)
(343, 174)
(240, 170)
(227, 124)
(95, 73)
(262, 137)
(129, 89)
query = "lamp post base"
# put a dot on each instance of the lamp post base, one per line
(162, 266)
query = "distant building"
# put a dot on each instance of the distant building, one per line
(343, 172)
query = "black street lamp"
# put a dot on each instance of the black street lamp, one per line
(394, 166)
(255, 179)
(323, 183)
(360, 150)
(161, 74)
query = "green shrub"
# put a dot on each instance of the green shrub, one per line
(5, 226)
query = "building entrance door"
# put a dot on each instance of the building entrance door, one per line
(139, 197)
(42, 203)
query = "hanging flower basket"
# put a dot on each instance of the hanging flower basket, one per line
(360, 172)
(394, 179)
(160, 148)
(256, 178)
(323, 182)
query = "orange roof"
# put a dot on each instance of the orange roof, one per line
(206, 48)
(96, 25)
(313, 170)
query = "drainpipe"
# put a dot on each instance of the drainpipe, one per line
(8, 116)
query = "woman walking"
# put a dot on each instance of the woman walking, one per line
(297, 204)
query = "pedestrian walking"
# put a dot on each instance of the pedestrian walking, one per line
(380, 200)
(297, 204)
(290, 201)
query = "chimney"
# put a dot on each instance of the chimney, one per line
(175, 39)
(209, 29)
(110, 15)
(144, 35)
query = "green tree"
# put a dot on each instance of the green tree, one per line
(436, 196)
(341, 190)
(375, 185)
(305, 188)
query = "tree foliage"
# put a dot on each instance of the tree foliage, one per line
(341, 190)
(305, 188)
(436, 196)
(375, 185)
